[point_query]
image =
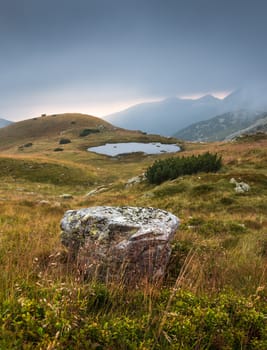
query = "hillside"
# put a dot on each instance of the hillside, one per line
(49, 126)
(4, 122)
(260, 126)
(222, 126)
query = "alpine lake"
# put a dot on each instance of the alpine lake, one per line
(115, 149)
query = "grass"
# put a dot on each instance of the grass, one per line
(214, 292)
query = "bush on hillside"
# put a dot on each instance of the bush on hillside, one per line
(29, 144)
(171, 168)
(64, 141)
(86, 132)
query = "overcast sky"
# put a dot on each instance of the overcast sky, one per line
(99, 56)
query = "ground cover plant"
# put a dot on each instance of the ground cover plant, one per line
(214, 292)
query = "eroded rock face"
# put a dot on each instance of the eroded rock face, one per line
(128, 244)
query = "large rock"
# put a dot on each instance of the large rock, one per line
(128, 244)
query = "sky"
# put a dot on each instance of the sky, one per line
(101, 56)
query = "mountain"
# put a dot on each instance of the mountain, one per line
(174, 114)
(221, 126)
(4, 122)
(259, 126)
(164, 117)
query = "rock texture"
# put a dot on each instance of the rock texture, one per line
(127, 244)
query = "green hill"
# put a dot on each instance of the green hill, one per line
(50, 126)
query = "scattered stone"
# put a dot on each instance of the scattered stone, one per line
(128, 244)
(44, 202)
(240, 187)
(96, 191)
(233, 181)
(135, 180)
(66, 196)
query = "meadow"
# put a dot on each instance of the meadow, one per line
(214, 293)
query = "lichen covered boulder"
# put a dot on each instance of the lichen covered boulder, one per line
(129, 244)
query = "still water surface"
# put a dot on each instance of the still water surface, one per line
(115, 149)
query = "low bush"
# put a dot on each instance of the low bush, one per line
(29, 144)
(64, 141)
(86, 132)
(171, 168)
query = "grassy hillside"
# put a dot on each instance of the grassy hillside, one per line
(49, 126)
(214, 294)
(42, 135)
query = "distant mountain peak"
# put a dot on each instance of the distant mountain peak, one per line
(208, 98)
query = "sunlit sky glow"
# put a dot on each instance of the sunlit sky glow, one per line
(101, 56)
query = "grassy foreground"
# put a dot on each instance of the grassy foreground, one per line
(214, 294)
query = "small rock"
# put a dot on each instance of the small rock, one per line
(43, 202)
(242, 187)
(135, 180)
(233, 181)
(96, 191)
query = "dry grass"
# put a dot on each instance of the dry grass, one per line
(221, 243)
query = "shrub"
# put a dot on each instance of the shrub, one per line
(171, 168)
(58, 149)
(64, 141)
(29, 144)
(86, 132)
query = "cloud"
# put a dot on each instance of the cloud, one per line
(123, 50)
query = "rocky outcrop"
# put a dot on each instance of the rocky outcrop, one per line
(128, 244)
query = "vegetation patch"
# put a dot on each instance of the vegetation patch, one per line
(86, 132)
(64, 141)
(45, 172)
(171, 168)
(215, 227)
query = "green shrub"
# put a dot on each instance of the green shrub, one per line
(86, 132)
(29, 144)
(171, 168)
(64, 141)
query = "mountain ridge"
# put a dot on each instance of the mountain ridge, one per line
(161, 117)
(4, 122)
(169, 116)
(221, 127)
